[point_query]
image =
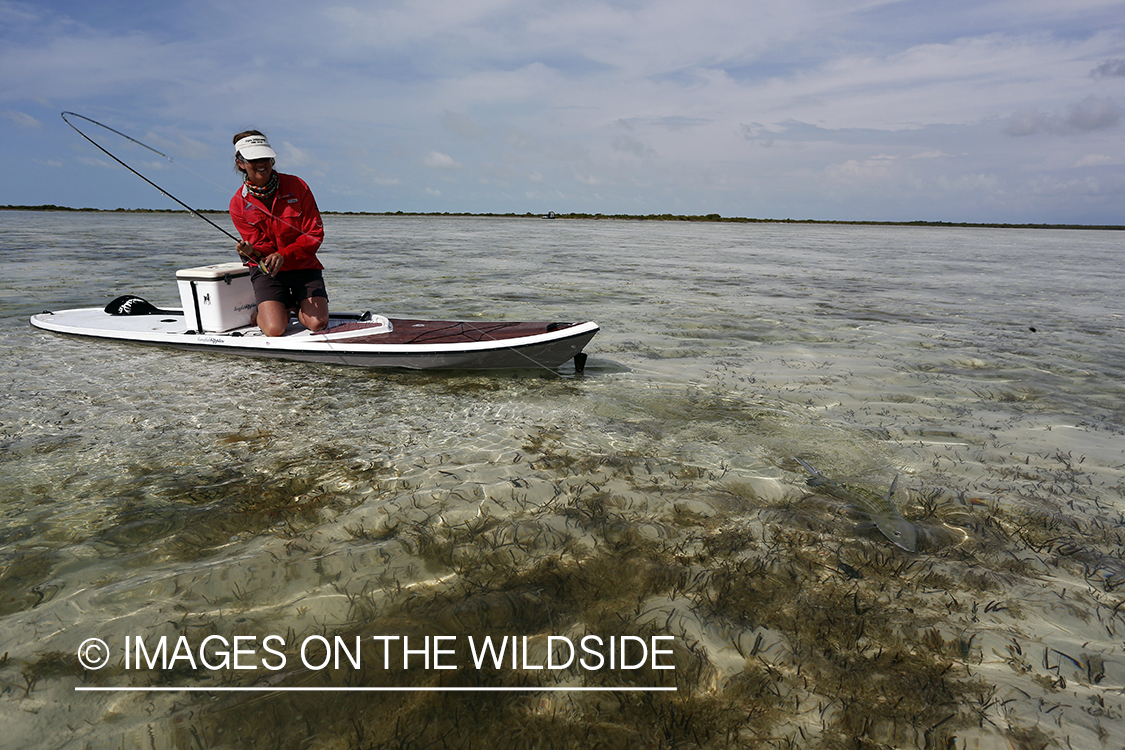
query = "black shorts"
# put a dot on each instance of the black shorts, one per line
(288, 287)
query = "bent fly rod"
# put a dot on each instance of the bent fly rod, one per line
(138, 174)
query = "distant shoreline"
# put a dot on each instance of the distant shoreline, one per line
(615, 217)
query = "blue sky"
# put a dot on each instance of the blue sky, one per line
(989, 110)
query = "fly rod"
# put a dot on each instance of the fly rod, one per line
(138, 174)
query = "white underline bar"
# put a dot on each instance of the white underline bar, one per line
(263, 689)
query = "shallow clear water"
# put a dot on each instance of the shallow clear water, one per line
(149, 493)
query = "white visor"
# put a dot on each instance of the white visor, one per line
(254, 147)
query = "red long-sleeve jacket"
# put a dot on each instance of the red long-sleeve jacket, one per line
(288, 223)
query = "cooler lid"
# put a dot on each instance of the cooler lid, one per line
(218, 271)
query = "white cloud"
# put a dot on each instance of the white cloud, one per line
(1048, 185)
(969, 183)
(292, 156)
(1098, 160)
(880, 168)
(438, 160)
(20, 118)
(100, 163)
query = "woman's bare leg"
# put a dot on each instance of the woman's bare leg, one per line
(313, 313)
(273, 317)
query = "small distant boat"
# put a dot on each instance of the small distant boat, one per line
(218, 301)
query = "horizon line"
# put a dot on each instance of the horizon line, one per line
(712, 217)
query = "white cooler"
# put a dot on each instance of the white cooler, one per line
(216, 298)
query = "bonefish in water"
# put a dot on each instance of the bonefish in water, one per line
(886, 517)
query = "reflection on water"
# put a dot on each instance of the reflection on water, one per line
(180, 496)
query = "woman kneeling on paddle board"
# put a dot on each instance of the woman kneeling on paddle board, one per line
(281, 229)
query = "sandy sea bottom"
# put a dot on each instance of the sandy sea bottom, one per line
(654, 501)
